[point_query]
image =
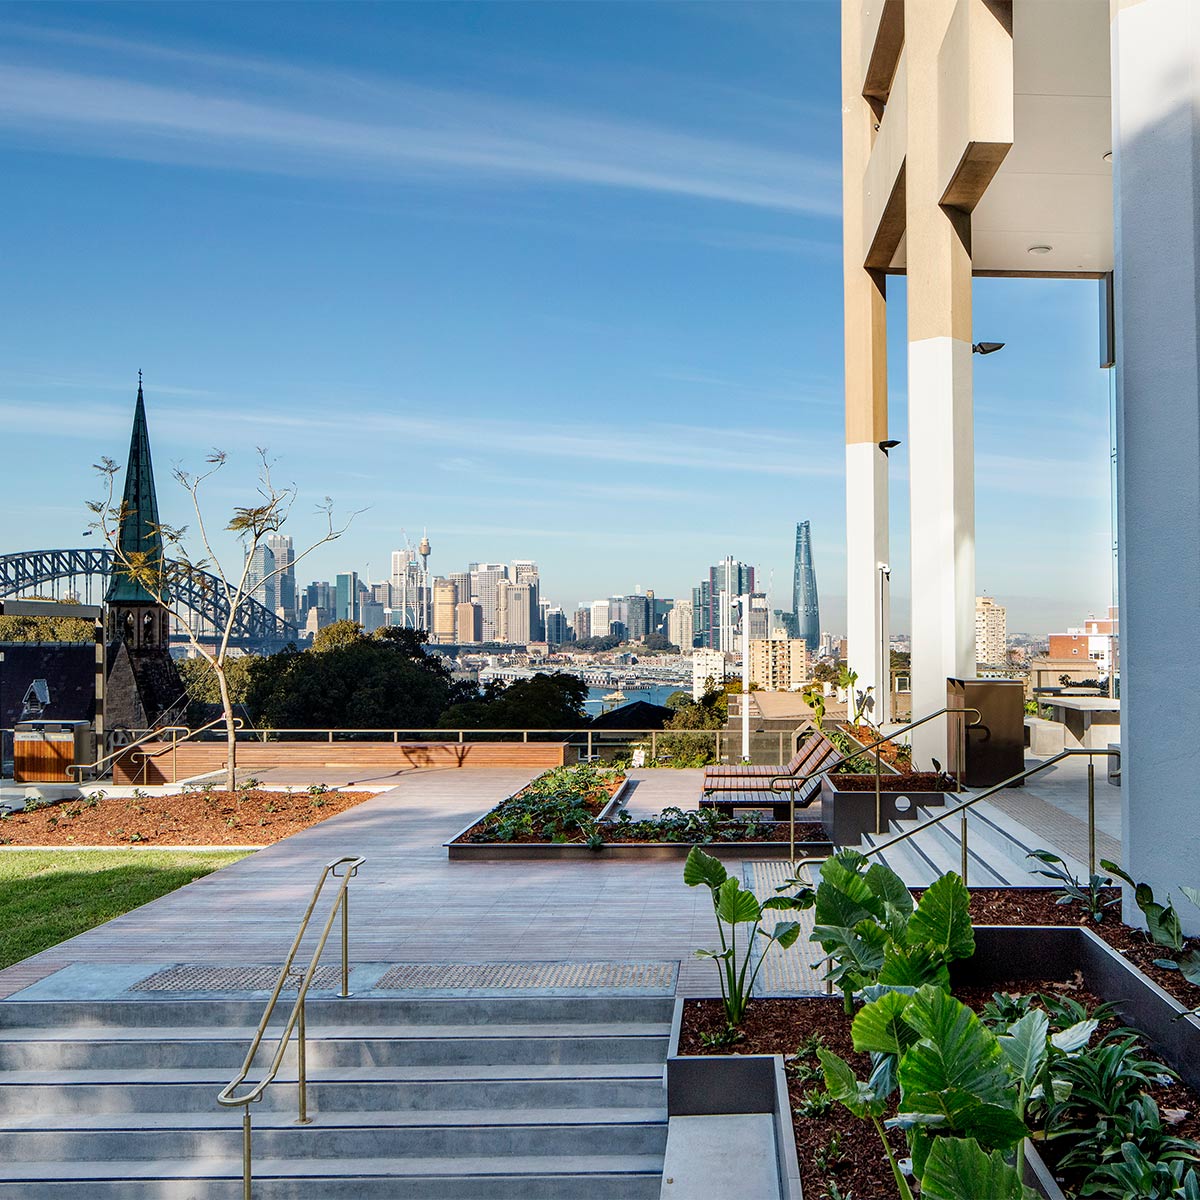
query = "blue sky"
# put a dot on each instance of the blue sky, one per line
(556, 281)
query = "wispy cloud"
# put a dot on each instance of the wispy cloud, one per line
(222, 112)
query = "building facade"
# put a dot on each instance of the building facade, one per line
(805, 607)
(779, 664)
(708, 669)
(991, 632)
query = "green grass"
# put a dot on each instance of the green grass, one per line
(47, 896)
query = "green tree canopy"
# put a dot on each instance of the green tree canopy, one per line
(679, 699)
(351, 680)
(543, 702)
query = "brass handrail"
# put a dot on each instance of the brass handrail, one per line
(961, 810)
(175, 743)
(229, 1097)
(148, 736)
(796, 781)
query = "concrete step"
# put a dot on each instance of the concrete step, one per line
(586, 1177)
(914, 867)
(942, 843)
(76, 1049)
(489, 1138)
(395, 1014)
(641, 1091)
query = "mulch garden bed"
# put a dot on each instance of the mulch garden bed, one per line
(197, 817)
(1038, 906)
(896, 756)
(912, 781)
(594, 804)
(832, 1145)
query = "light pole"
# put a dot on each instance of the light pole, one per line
(884, 699)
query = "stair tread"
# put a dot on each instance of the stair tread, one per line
(266, 1168)
(340, 1033)
(472, 1072)
(222, 1119)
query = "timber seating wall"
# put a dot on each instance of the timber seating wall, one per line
(162, 764)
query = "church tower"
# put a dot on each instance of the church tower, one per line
(143, 682)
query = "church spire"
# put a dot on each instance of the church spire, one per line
(138, 536)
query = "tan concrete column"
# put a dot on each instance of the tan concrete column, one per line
(941, 420)
(866, 386)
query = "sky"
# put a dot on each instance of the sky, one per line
(551, 281)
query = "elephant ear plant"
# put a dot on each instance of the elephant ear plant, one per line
(866, 922)
(735, 906)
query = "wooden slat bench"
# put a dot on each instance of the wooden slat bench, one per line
(817, 754)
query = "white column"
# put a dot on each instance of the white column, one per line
(1156, 148)
(867, 632)
(942, 518)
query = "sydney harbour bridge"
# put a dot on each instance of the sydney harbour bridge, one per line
(197, 596)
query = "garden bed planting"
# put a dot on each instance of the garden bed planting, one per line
(194, 816)
(897, 756)
(911, 781)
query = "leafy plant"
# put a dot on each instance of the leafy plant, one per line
(815, 1103)
(316, 789)
(1163, 924)
(735, 906)
(960, 1169)
(866, 922)
(1138, 1177)
(720, 1039)
(1071, 890)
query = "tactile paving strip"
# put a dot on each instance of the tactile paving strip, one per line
(643, 976)
(186, 978)
(784, 972)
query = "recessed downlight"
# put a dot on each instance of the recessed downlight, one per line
(1040, 249)
(1108, 156)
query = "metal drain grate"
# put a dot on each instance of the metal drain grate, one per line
(657, 976)
(186, 978)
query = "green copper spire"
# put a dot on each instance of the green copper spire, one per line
(138, 534)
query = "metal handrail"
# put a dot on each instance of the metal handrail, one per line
(173, 745)
(961, 810)
(229, 1097)
(148, 736)
(797, 780)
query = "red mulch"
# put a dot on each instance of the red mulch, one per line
(194, 818)
(896, 756)
(912, 781)
(1038, 906)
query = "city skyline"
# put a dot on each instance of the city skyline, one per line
(615, 355)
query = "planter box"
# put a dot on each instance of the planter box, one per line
(848, 815)
(734, 1085)
(1014, 953)
(628, 851)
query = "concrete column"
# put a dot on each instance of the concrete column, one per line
(940, 417)
(866, 389)
(1156, 149)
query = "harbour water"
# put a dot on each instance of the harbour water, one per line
(653, 695)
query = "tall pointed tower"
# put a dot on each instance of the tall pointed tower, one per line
(143, 682)
(804, 591)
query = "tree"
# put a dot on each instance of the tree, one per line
(173, 560)
(657, 643)
(543, 702)
(46, 629)
(607, 641)
(824, 672)
(352, 680)
(679, 699)
(711, 711)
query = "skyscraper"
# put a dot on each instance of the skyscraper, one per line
(484, 578)
(582, 621)
(991, 632)
(346, 604)
(557, 628)
(804, 591)
(522, 613)
(261, 563)
(281, 546)
(679, 625)
(445, 598)
(727, 581)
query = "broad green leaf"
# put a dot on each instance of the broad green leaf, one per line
(956, 1053)
(1193, 894)
(1113, 869)
(785, 933)
(959, 1169)
(843, 897)
(1074, 1037)
(1024, 1045)
(880, 1026)
(995, 1126)
(860, 947)
(1162, 923)
(846, 1088)
(942, 919)
(724, 955)
(913, 966)
(1190, 966)
(735, 906)
(890, 888)
(785, 903)
(703, 868)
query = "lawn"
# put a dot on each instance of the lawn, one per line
(47, 896)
